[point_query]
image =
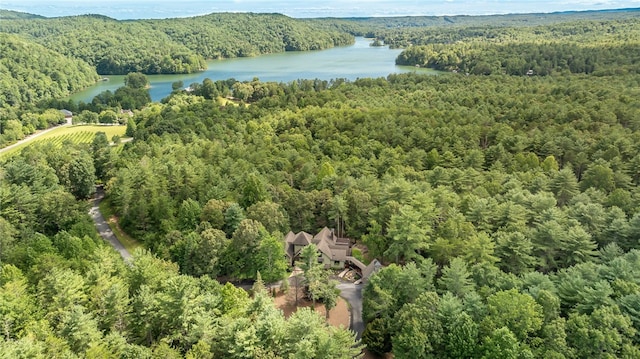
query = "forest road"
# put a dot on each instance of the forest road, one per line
(352, 293)
(103, 227)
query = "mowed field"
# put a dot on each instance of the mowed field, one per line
(74, 134)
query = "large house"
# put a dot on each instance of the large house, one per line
(333, 252)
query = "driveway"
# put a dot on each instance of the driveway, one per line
(103, 227)
(352, 293)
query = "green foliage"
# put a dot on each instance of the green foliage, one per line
(376, 337)
(82, 176)
(136, 80)
(501, 344)
(34, 73)
(169, 46)
(506, 205)
(455, 278)
(604, 331)
(269, 259)
(521, 50)
(87, 297)
(421, 334)
(409, 234)
(253, 191)
(515, 311)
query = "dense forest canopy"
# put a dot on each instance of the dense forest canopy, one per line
(379, 26)
(496, 187)
(65, 293)
(505, 207)
(171, 46)
(598, 47)
(32, 72)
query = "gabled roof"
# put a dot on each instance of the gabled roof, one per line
(327, 243)
(290, 237)
(335, 253)
(335, 248)
(302, 239)
(373, 267)
(324, 235)
(288, 247)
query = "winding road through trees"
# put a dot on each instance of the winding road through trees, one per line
(103, 227)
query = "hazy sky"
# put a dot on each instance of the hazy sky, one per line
(131, 9)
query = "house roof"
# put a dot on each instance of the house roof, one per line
(335, 253)
(373, 267)
(288, 248)
(66, 113)
(290, 237)
(324, 235)
(302, 239)
(335, 248)
(328, 244)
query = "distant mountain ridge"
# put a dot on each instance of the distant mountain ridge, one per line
(10, 14)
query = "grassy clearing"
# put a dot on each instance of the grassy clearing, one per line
(127, 241)
(74, 134)
(223, 101)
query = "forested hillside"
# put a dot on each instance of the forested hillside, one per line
(598, 47)
(111, 46)
(410, 26)
(65, 293)
(32, 72)
(171, 45)
(515, 197)
(504, 205)
(217, 36)
(8, 14)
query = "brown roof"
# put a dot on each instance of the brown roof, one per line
(324, 235)
(289, 237)
(373, 267)
(329, 245)
(335, 248)
(302, 239)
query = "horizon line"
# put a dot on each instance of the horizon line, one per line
(513, 13)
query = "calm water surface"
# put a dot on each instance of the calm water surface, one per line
(351, 62)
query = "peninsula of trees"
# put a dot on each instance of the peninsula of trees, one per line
(171, 46)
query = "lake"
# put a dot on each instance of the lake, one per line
(350, 62)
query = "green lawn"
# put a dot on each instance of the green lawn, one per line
(127, 241)
(75, 134)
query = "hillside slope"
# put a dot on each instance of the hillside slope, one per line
(171, 45)
(35, 72)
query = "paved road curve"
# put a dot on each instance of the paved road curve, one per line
(352, 293)
(103, 226)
